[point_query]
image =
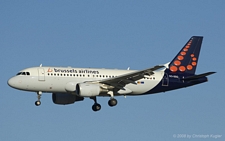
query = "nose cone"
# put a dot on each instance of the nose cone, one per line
(18, 82)
(15, 82)
(11, 82)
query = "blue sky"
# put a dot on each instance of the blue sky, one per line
(111, 34)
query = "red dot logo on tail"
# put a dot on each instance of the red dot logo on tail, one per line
(177, 64)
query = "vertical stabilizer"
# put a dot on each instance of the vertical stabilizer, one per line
(187, 59)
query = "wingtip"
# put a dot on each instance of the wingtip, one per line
(213, 72)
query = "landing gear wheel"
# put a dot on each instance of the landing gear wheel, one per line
(96, 107)
(112, 102)
(37, 103)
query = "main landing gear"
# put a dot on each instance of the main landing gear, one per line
(112, 102)
(96, 107)
(38, 102)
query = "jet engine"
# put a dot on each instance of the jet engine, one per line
(65, 98)
(88, 89)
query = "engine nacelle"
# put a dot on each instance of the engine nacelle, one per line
(65, 98)
(88, 89)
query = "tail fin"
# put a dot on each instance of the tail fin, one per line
(187, 59)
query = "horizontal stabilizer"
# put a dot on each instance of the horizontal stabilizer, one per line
(198, 76)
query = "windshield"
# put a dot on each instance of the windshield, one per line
(23, 73)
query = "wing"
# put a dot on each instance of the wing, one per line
(120, 81)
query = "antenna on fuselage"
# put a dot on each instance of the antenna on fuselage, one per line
(128, 68)
(40, 65)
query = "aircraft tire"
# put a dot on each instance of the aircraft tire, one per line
(96, 107)
(38, 103)
(112, 102)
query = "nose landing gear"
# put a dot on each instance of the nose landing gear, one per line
(38, 102)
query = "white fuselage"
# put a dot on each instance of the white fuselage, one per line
(55, 79)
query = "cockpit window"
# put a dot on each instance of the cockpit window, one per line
(19, 73)
(23, 73)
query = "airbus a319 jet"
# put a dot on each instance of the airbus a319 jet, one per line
(69, 85)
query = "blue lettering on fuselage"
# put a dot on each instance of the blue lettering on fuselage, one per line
(75, 71)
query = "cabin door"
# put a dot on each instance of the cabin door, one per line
(165, 80)
(41, 74)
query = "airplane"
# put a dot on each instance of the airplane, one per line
(69, 85)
